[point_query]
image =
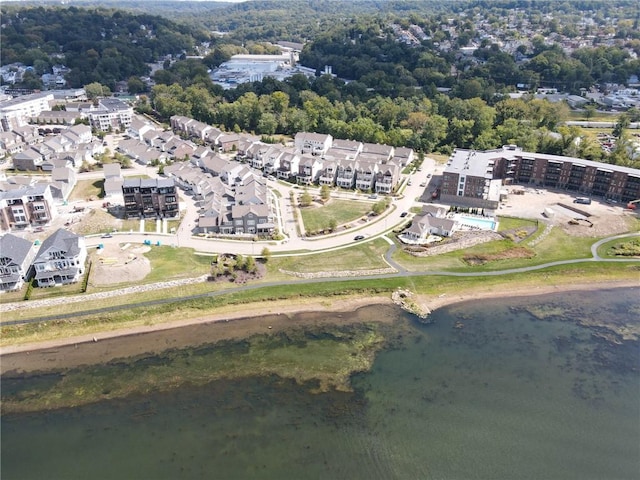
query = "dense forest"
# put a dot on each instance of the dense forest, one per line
(424, 94)
(98, 45)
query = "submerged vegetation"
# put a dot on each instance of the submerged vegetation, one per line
(322, 358)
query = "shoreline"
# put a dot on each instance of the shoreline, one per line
(249, 319)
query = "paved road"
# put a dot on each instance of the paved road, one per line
(400, 273)
(288, 221)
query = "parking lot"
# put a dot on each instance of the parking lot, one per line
(605, 218)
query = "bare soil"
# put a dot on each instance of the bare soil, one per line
(116, 264)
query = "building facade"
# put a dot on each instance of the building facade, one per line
(23, 207)
(60, 259)
(474, 178)
(150, 198)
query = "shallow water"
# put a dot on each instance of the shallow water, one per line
(508, 395)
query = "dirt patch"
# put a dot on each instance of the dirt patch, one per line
(516, 252)
(596, 226)
(120, 264)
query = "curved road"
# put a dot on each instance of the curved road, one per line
(400, 273)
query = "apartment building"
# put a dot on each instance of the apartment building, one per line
(474, 178)
(111, 114)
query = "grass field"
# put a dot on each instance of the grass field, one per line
(343, 211)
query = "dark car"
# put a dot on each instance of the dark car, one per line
(403, 214)
(359, 237)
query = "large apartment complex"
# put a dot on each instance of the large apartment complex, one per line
(475, 178)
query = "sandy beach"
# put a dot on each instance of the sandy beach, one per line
(236, 322)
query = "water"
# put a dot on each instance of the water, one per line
(490, 391)
(477, 222)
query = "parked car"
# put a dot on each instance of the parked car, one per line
(106, 235)
(358, 237)
(404, 214)
(428, 175)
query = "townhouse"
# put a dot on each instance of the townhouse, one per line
(27, 206)
(150, 198)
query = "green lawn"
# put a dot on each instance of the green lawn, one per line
(579, 116)
(343, 211)
(169, 263)
(362, 256)
(556, 246)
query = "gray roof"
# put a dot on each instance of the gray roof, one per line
(148, 182)
(61, 240)
(14, 248)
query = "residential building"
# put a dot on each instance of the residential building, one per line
(111, 114)
(366, 174)
(28, 206)
(60, 259)
(16, 255)
(346, 174)
(150, 197)
(309, 170)
(17, 111)
(251, 219)
(474, 178)
(313, 143)
(430, 221)
(387, 178)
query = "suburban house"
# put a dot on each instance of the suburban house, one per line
(60, 259)
(16, 255)
(376, 151)
(27, 206)
(28, 159)
(138, 128)
(345, 148)
(335, 162)
(113, 181)
(403, 155)
(150, 198)
(63, 179)
(430, 221)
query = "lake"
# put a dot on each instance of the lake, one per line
(530, 388)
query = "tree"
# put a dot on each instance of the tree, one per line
(621, 125)
(135, 85)
(325, 192)
(266, 254)
(589, 111)
(333, 224)
(95, 90)
(305, 198)
(250, 265)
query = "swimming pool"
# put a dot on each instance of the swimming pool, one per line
(474, 223)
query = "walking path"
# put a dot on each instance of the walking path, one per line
(395, 271)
